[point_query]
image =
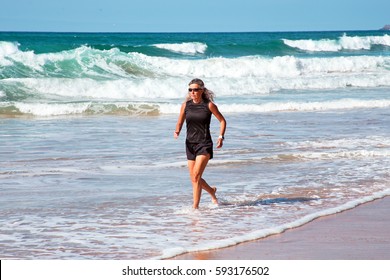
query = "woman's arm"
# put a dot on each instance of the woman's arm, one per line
(214, 109)
(180, 121)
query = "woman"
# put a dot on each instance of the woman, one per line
(197, 111)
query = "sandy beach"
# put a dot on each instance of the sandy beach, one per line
(358, 234)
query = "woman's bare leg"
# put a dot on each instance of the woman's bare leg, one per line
(196, 168)
(210, 190)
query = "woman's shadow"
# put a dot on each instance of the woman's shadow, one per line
(268, 201)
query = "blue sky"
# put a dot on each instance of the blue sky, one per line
(192, 16)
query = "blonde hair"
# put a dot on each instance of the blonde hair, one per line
(207, 95)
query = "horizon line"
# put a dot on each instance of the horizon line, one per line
(124, 32)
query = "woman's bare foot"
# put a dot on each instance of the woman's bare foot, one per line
(213, 196)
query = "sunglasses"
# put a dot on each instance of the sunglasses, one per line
(194, 89)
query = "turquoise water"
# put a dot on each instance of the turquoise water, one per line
(50, 74)
(90, 168)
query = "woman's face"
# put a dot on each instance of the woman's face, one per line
(196, 92)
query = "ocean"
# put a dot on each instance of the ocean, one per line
(90, 168)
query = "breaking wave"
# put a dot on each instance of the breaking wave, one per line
(343, 43)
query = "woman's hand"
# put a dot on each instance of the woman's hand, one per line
(220, 143)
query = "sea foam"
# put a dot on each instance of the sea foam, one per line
(154, 108)
(343, 43)
(218, 244)
(343, 104)
(113, 64)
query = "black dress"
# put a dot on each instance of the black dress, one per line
(198, 140)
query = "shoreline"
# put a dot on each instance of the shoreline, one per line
(360, 233)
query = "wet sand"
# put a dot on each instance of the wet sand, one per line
(361, 233)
